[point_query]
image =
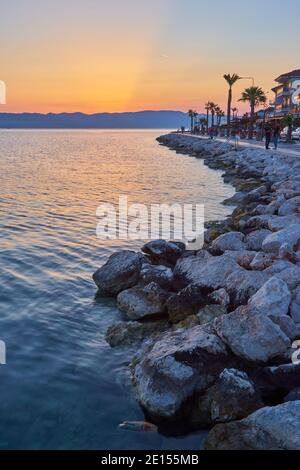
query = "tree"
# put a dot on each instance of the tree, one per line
(234, 112)
(219, 114)
(213, 108)
(289, 122)
(207, 107)
(192, 114)
(255, 96)
(231, 80)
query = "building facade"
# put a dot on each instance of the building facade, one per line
(287, 94)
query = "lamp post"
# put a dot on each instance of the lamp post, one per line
(248, 78)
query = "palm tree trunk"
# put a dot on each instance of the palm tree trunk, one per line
(252, 121)
(212, 119)
(207, 118)
(229, 111)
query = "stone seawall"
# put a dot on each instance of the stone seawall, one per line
(216, 330)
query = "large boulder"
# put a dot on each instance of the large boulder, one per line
(163, 250)
(231, 241)
(180, 364)
(270, 428)
(274, 297)
(251, 336)
(291, 276)
(290, 207)
(233, 396)
(120, 272)
(242, 284)
(254, 240)
(289, 235)
(277, 380)
(186, 302)
(141, 302)
(206, 270)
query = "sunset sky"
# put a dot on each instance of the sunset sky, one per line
(95, 55)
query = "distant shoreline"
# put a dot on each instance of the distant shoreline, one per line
(126, 120)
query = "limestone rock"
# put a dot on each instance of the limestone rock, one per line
(274, 297)
(141, 302)
(120, 272)
(252, 337)
(180, 364)
(270, 428)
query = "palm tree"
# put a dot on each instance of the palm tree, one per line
(219, 114)
(192, 114)
(289, 122)
(255, 96)
(207, 107)
(231, 80)
(234, 112)
(212, 107)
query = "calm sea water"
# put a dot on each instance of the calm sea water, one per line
(63, 387)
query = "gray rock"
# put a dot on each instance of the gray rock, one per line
(287, 253)
(180, 364)
(270, 428)
(254, 240)
(161, 275)
(291, 276)
(276, 224)
(278, 265)
(141, 302)
(242, 284)
(161, 249)
(231, 241)
(290, 235)
(206, 270)
(210, 312)
(262, 261)
(252, 337)
(186, 302)
(132, 332)
(277, 379)
(274, 297)
(233, 397)
(290, 207)
(120, 272)
(295, 305)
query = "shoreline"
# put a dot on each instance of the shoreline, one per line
(215, 329)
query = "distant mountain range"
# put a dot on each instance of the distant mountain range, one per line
(133, 120)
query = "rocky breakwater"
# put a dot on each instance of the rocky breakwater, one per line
(215, 330)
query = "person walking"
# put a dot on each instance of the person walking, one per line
(276, 136)
(268, 135)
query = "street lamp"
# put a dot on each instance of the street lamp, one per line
(248, 78)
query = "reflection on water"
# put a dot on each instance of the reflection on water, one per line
(63, 387)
